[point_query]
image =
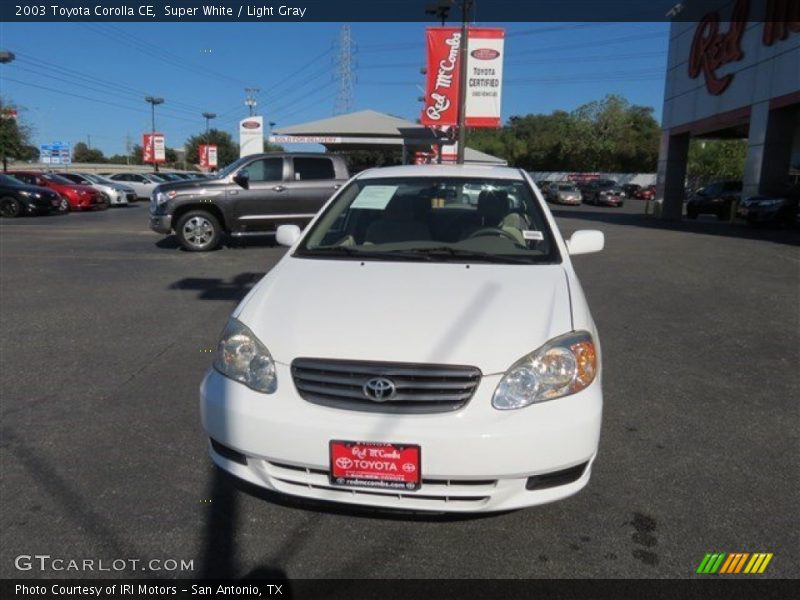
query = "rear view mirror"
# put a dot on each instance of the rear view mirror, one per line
(586, 241)
(287, 235)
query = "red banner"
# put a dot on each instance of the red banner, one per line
(441, 96)
(153, 148)
(208, 155)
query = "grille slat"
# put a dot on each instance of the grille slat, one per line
(420, 388)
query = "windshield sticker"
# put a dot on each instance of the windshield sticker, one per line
(529, 234)
(374, 196)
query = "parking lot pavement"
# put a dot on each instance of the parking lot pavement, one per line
(106, 332)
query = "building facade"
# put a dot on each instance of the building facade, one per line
(733, 74)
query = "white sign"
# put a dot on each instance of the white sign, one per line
(304, 139)
(484, 76)
(251, 136)
(374, 197)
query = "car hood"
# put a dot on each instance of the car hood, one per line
(33, 189)
(483, 315)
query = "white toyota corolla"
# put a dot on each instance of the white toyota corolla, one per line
(415, 349)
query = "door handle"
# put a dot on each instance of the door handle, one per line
(278, 188)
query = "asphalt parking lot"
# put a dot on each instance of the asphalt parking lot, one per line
(106, 332)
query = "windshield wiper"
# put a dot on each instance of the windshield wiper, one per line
(449, 251)
(350, 251)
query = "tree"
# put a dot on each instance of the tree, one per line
(715, 159)
(270, 147)
(81, 153)
(227, 149)
(14, 137)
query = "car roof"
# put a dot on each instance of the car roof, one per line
(443, 171)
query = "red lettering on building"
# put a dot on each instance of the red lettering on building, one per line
(712, 49)
(782, 18)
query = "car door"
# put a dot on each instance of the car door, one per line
(264, 202)
(312, 181)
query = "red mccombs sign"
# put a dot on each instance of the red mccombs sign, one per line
(153, 148)
(484, 76)
(208, 156)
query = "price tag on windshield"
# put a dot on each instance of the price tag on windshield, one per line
(375, 197)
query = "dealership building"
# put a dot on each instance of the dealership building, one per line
(733, 74)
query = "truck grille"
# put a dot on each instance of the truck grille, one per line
(417, 388)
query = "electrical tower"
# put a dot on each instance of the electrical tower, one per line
(345, 71)
(250, 99)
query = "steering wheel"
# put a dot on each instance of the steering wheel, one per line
(493, 231)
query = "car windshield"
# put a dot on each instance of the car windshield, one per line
(434, 219)
(57, 179)
(231, 167)
(9, 180)
(92, 178)
(155, 178)
(567, 188)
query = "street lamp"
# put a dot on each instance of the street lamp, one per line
(208, 116)
(6, 56)
(152, 100)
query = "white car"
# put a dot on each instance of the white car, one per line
(113, 194)
(142, 183)
(414, 351)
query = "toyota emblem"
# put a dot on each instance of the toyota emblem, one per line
(379, 389)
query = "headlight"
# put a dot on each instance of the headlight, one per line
(563, 366)
(162, 197)
(771, 202)
(31, 194)
(242, 357)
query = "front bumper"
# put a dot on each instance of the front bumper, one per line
(161, 223)
(476, 459)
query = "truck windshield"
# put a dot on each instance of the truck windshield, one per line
(450, 219)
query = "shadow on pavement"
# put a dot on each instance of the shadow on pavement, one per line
(778, 235)
(235, 288)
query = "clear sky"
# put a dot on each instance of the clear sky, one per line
(108, 69)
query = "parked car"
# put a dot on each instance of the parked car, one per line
(715, 199)
(630, 189)
(646, 193)
(544, 186)
(603, 192)
(142, 183)
(76, 197)
(781, 206)
(116, 196)
(564, 193)
(18, 198)
(166, 176)
(339, 377)
(130, 193)
(250, 197)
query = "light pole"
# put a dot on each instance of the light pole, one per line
(208, 116)
(5, 57)
(152, 100)
(462, 81)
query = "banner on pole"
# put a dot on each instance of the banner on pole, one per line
(153, 148)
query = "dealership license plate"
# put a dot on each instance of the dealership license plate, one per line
(375, 465)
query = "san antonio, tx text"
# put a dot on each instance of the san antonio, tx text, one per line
(132, 589)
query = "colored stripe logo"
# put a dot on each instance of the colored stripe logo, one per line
(721, 563)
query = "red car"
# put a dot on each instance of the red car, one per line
(646, 193)
(78, 197)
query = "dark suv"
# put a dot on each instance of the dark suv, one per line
(714, 199)
(603, 192)
(251, 196)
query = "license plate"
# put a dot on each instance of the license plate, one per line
(375, 465)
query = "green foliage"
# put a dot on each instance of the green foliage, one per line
(606, 135)
(81, 153)
(270, 147)
(358, 160)
(715, 159)
(14, 138)
(227, 149)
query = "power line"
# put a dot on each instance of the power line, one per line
(276, 86)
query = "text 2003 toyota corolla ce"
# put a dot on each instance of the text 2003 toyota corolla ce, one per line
(416, 350)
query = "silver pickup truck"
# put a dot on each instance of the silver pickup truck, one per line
(251, 196)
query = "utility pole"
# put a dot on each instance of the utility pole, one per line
(128, 148)
(466, 6)
(152, 100)
(208, 116)
(344, 72)
(250, 99)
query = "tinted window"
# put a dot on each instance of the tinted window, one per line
(266, 169)
(30, 179)
(306, 169)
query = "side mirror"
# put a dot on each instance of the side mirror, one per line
(586, 241)
(287, 235)
(242, 178)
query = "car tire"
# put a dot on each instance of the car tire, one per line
(690, 214)
(198, 231)
(10, 207)
(63, 205)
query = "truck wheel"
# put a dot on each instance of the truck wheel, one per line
(198, 231)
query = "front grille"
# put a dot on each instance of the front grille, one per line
(419, 388)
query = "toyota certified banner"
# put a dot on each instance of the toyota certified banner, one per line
(208, 156)
(251, 136)
(484, 76)
(153, 148)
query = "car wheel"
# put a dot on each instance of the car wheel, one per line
(198, 231)
(63, 205)
(10, 207)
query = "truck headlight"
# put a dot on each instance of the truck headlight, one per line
(563, 366)
(242, 357)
